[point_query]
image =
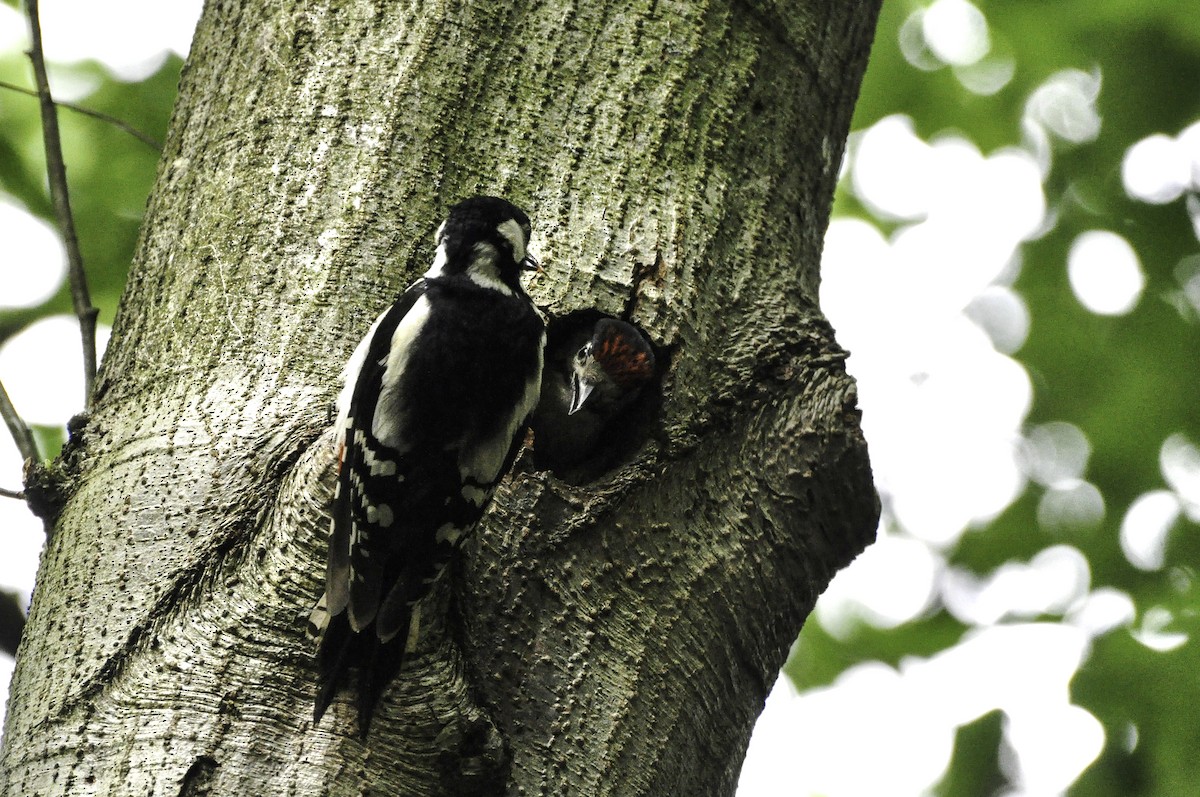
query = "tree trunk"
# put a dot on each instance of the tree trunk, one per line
(612, 637)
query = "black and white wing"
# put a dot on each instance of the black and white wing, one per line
(370, 513)
(368, 502)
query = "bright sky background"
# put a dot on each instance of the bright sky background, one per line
(932, 321)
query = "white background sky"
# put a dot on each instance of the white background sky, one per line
(932, 321)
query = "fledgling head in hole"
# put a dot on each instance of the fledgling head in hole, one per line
(608, 371)
(600, 395)
(486, 239)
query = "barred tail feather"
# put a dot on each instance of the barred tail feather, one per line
(379, 667)
(376, 663)
(370, 686)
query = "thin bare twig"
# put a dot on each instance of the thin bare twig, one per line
(21, 435)
(103, 117)
(57, 172)
(6, 493)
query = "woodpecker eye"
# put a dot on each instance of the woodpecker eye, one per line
(581, 355)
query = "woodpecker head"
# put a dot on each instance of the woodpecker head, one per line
(485, 239)
(610, 369)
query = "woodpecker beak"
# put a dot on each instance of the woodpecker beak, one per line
(530, 263)
(580, 390)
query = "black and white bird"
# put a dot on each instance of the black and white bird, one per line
(593, 374)
(433, 411)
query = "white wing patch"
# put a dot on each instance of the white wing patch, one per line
(379, 465)
(349, 380)
(447, 533)
(389, 412)
(380, 515)
(474, 495)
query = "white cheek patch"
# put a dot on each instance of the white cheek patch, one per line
(483, 271)
(512, 232)
(483, 257)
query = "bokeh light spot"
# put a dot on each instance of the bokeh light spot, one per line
(988, 76)
(1101, 611)
(1050, 583)
(1146, 526)
(42, 369)
(889, 584)
(956, 32)
(1065, 106)
(1001, 313)
(1179, 461)
(1156, 169)
(890, 170)
(1072, 505)
(812, 743)
(913, 46)
(1154, 631)
(1052, 747)
(1055, 452)
(1105, 273)
(1189, 141)
(34, 262)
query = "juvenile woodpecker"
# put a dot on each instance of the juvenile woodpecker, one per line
(592, 375)
(432, 413)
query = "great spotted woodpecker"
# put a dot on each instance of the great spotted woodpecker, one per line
(433, 411)
(593, 374)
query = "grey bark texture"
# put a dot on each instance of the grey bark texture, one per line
(610, 638)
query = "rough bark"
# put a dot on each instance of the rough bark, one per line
(614, 637)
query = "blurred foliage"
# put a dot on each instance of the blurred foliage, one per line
(109, 172)
(1128, 382)
(1122, 380)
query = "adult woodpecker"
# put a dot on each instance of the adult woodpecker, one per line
(432, 413)
(592, 375)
